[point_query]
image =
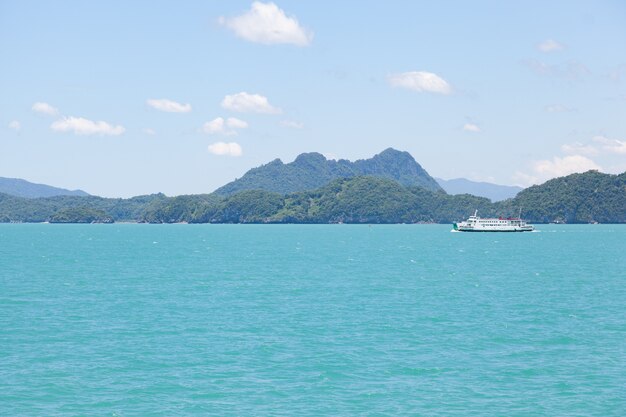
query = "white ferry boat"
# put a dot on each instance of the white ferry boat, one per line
(510, 224)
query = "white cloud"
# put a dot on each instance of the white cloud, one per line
(420, 81)
(15, 125)
(579, 148)
(215, 126)
(571, 70)
(558, 167)
(603, 146)
(81, 126)
(227, 149)
(249, 103)
(550, 45)
(618, 147)
(525, 180)
(547, 169)
(45, 108)
(236, 123)
(223, 127)
(611, 145)
(149, 131)
(558, 108)
(601, 139)
(266, 23)
(617, 168)
(616, 74)
(469, 127)
(539, 67)
(169, 106)
(292, 124)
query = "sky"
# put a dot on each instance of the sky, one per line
(124, 98)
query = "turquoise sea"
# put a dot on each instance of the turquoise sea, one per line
(311, 320)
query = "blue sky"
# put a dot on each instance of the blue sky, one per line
(128, 98)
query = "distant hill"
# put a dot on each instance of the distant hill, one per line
(75, 209)
(313, 170)
(26, 189)
(577, 198)
(494, 192)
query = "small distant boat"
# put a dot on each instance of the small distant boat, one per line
(500, 224)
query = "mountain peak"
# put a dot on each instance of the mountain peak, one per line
(394, 155)
(391, 152)
(276, 161)
(312, 170)
(22, 188)
(309, 158)
(494, 192)
(400, 166)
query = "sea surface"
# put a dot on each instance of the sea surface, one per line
(311, 320)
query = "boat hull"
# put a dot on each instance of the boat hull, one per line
(500, 224)
(493, 231)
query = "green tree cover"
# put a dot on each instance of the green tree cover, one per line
(184, 208)
(81, 215)
(577, 198)
(373, 200)
(312, 170)
(19, 209)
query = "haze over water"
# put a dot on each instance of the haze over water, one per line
(310, 320)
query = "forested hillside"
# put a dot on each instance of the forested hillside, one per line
(577, 198)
